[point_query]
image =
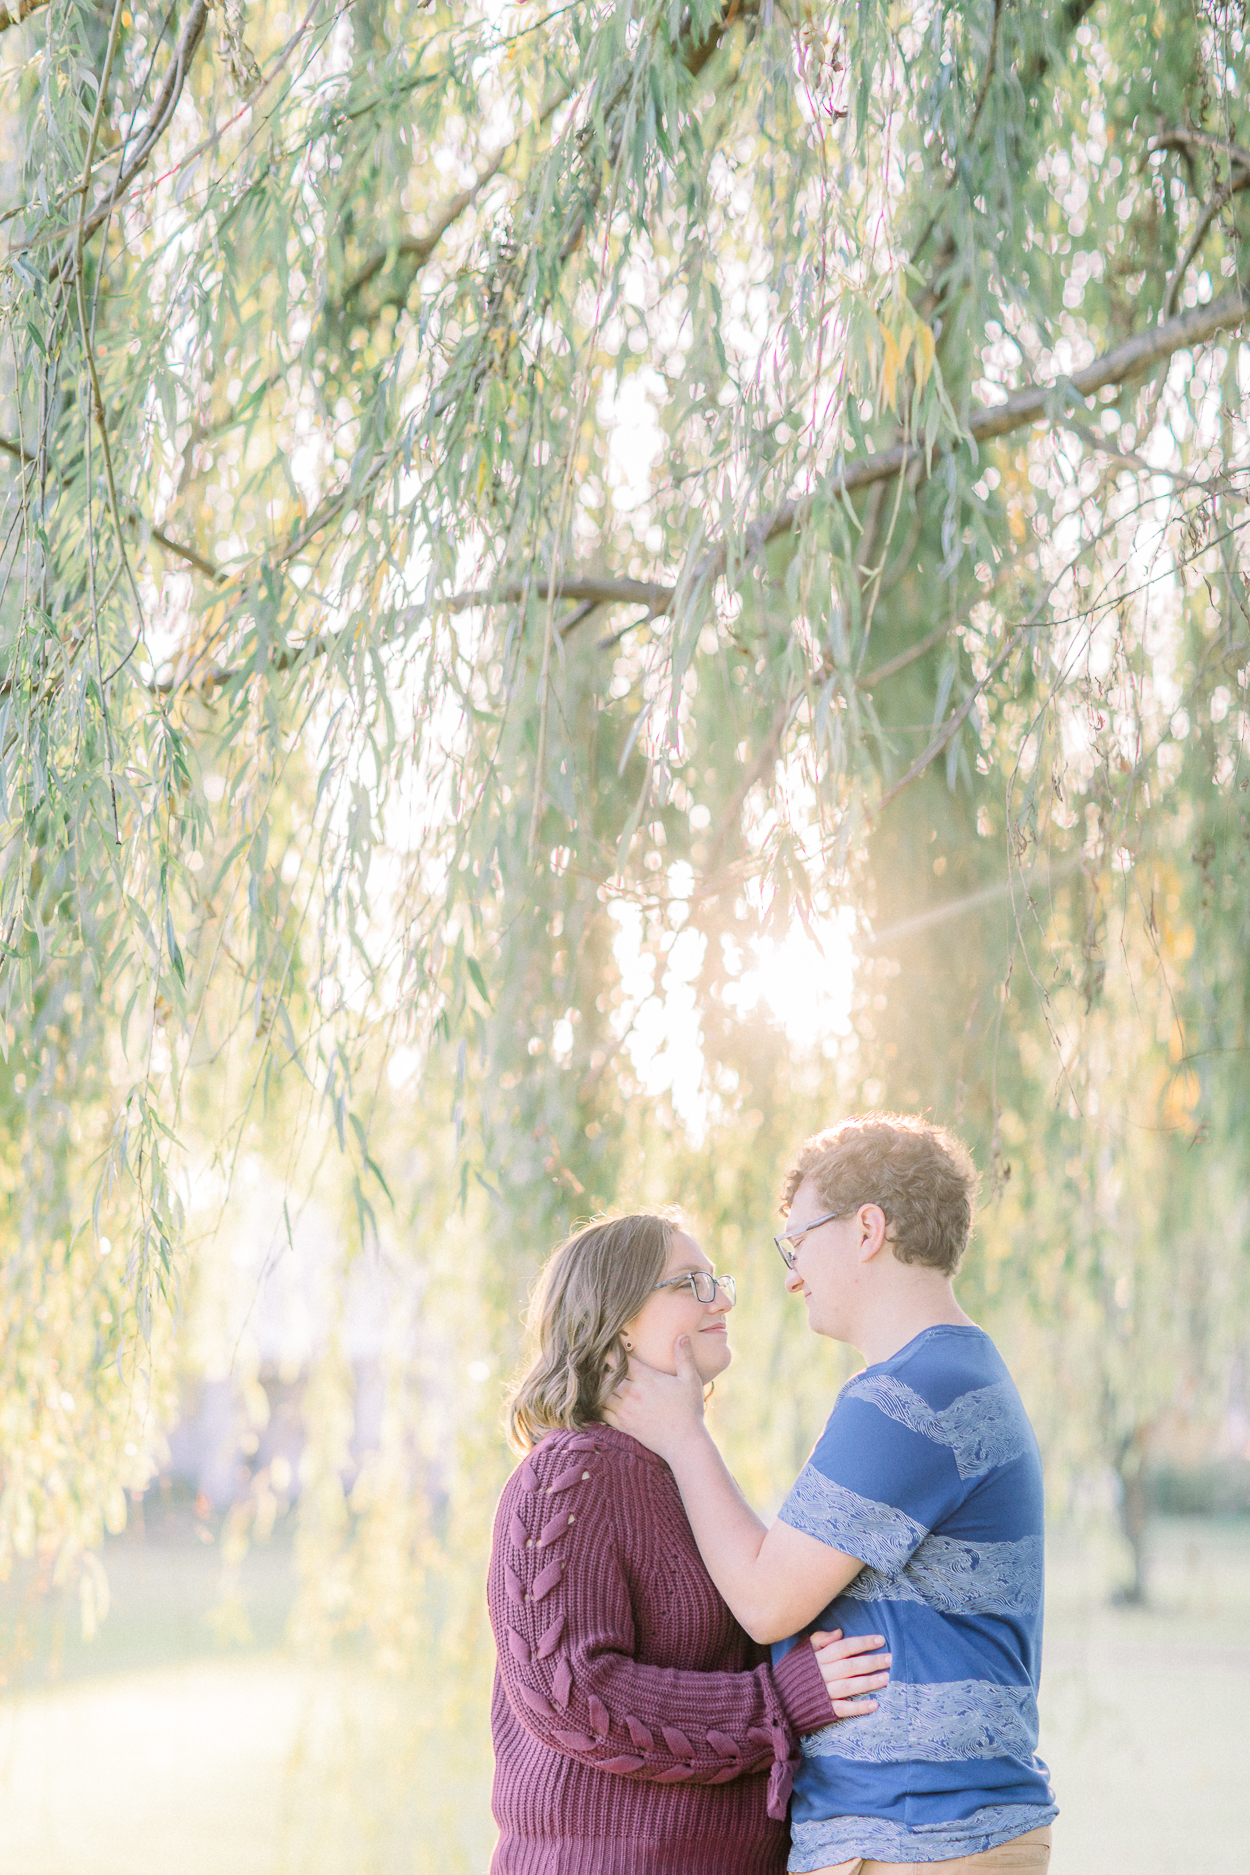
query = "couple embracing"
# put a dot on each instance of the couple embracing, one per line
(640, 1725)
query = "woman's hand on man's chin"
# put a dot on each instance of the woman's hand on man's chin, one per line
(661, 1411)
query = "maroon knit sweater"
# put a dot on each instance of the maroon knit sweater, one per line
(637, 1729)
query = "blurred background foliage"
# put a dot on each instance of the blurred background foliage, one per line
(581, 592)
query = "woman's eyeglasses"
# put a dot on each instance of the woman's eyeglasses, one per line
(704, 1285)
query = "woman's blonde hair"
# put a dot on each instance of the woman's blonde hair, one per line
(589, 1288)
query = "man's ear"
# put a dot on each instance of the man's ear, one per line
(873, 1231)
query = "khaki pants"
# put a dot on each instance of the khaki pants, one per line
(1023, 1855)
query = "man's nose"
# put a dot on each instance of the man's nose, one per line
(794, 1282)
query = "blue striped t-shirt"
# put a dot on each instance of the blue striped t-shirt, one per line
(928, 1471)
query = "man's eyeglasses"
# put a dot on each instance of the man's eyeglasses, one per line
(704, 1285)
(789, 1241)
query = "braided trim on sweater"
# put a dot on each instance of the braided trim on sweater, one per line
(541, 1669)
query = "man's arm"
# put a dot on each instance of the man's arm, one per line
(774, 1579)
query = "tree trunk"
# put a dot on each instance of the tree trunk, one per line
(1130, 1471)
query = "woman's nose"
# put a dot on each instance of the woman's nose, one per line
(721, 1303)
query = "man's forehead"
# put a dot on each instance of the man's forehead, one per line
(807, 1201)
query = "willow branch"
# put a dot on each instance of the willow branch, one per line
(187, 157)
(991, 61)
(1219, 201)
(951, 727)
(420, 247)
(1073, 13)
(1122, 363)
(904, 658)
(162, 111)
(954, 724)
(596, 591)
(1032, 403)
(13, 16)
(694, 54)
(97, 405)
(177, 548)
(181, 551)
(1190, 139)
(597, 163)
(1035, 401)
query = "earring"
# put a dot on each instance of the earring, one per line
(629, 1346)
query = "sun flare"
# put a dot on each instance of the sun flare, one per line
(803, 983)
(805, 980)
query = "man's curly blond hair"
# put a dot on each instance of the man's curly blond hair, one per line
(922, 1177)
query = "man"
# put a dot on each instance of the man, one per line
(918, 1515)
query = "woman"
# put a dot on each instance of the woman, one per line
(637, 1729)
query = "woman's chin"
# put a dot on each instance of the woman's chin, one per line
(713, 1360)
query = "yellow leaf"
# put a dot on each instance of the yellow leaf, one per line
(891, 359)
(926, 350)
(1183, 1093)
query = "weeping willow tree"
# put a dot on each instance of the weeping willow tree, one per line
(507, 512)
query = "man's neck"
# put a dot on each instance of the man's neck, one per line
(900, 1314)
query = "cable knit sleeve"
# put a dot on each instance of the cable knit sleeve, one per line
(563, 1621)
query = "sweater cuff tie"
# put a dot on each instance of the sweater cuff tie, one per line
(781, 1778)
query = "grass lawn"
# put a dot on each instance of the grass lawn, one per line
(1146, 1712)
(156, 1749)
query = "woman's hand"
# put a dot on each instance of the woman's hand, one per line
(851, 1670)
(662, 1411)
